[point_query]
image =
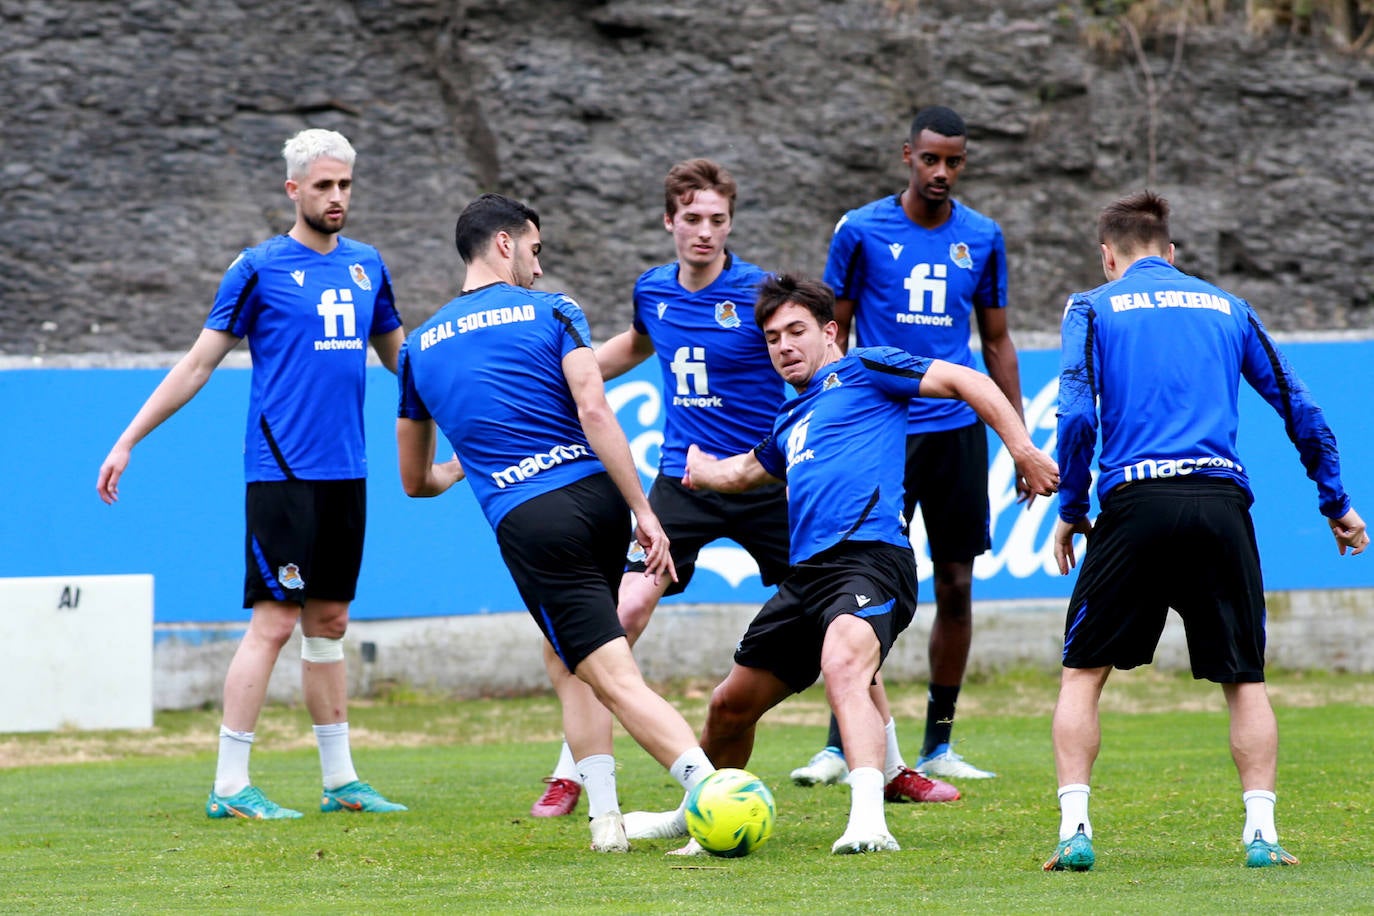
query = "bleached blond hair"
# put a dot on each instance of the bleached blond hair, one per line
(315, 143)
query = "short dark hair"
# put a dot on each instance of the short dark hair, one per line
(1137, 222)
(780, 289)
(943, 121)
(692, 175)
(484, 217)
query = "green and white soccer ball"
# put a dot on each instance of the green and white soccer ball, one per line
(730, 813)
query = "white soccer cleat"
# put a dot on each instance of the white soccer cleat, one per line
(608, 833)
(853, 843)
(693, 848)
(655, 825)
(946, 764)
(824, 769)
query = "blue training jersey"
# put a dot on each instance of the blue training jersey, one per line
(720, 390)
(916, 289)
(488, 369)
(840, 445)
(308, 317)
(1161, 354)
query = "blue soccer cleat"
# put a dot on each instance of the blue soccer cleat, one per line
(1073, 854)
(1260, 854)
(357, 796)
(247, 803)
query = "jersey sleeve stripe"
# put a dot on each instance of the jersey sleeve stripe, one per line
(571, 328)
(889, 369)
(247, 291)
(850, 268)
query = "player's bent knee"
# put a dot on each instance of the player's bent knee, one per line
(321, 649)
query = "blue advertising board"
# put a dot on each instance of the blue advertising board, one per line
(180, 515)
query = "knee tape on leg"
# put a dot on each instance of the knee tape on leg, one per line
(321, 649)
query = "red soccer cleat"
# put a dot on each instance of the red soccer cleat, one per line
(908, 785)
(559, 798)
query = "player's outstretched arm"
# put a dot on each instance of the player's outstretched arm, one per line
(948, 380)
(607, 440)
(1004, 368)
(1350, 533)
(186, 378)
(724, 475)
(421, 476)
(623, 352)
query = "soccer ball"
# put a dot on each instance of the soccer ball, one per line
(730, 813)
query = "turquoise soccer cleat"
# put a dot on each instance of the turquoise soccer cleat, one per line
(247, 803)
(1261, 854)
(357, 796)
(1073, 854)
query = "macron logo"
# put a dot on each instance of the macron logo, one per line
(862, 600)
(896, 250)
(298, 276)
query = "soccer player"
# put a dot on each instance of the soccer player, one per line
(852, 587)
(720, 391)
(1158, 356)
(916, 270)
(509, 375)
(309, 302)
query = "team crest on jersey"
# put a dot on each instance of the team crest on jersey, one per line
(636, 553)
(662, 307)
(831, 381)
(290, 576)
(360, 276)
(960, 255)
(727, 316)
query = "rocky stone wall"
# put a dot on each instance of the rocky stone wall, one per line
(140, 146)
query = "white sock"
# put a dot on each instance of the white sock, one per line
(566, 768)
(597, 775)
(231, 770)
(691, 768)
(1259, 815)
(1073, 810)
(866, 815)
(336, 760)
(894, 763)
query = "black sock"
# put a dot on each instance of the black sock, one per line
(940, 703)
(833, 739)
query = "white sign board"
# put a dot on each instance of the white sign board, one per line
(76, 652)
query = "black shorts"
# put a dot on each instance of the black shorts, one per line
(1186, 544)
(565, 550)
(947, 473)
(756, 520)
(872, 580)
(304, 539)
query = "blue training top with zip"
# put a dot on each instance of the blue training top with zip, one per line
(308, 318)
(916, 288)
(840, 446)
(488, 369)
(1161, 355)
(720, 390)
